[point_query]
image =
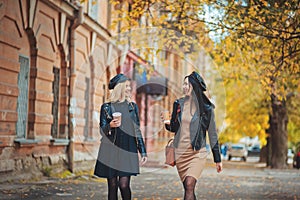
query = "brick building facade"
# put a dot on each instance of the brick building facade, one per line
(56, 59)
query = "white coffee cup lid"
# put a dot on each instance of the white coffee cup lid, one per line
(116, 114)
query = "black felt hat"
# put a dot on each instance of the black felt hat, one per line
(119, 78)
(194, 75)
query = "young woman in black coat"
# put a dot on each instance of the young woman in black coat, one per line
(121, 140)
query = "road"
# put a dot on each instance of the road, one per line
(239, 180)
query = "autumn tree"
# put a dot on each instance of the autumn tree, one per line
(258, 47)
(271, 29)
(177, 24)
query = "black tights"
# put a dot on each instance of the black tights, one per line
(123, 183)
(189, 184)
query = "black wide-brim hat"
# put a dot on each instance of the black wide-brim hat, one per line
(199, 86)
(119, 78)
(194, 75)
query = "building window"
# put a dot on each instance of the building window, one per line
(87, 109)
(63, 102)
(22, 103)
(55, 104)
(93, 9)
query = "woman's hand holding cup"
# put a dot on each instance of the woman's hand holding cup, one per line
(117, 118)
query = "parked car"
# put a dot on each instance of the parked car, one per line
(254, 150)
(296, 160)
(290, 156)
(238, 151)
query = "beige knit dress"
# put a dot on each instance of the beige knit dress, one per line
(188, 161)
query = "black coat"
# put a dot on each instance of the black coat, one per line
(118, 152)
(197, 133)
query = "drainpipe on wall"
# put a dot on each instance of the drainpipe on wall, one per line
(72, 100)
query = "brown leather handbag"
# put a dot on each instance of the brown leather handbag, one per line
(170, 153)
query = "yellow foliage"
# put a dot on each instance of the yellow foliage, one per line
(257, 53)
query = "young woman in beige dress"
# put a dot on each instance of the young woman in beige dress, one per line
(192, 117)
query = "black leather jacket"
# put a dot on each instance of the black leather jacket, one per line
(110, 133)
(197, 133)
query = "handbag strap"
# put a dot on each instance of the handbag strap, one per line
(170, 142)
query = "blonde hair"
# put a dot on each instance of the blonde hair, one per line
(118, 93)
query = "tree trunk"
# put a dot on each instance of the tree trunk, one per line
(278, 132)
(264, 155)
(266, 151)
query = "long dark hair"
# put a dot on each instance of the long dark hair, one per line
(198, 96)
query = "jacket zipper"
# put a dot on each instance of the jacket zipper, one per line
(136, 139)
(197, 134)
(115, 137)
(109, 132)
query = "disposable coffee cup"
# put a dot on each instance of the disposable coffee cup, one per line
(117, 115)
(166, 114)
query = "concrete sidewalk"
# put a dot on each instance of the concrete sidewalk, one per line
(162, 183)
